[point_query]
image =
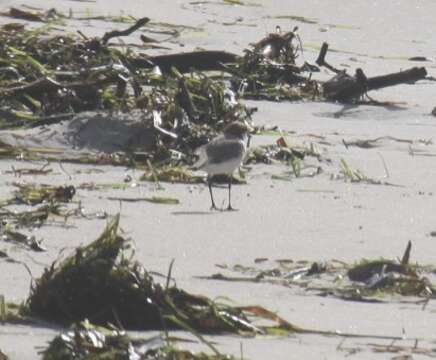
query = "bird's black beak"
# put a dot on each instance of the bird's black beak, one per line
(248, 140)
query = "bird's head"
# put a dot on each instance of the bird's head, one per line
(237, 130)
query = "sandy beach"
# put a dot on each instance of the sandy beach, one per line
(317, 218)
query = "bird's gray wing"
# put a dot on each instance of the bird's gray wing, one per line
(224, 150)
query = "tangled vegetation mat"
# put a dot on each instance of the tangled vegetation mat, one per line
(69, 97)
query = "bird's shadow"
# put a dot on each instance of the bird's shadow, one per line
(391, 106)
(210, 212)
(195, 212)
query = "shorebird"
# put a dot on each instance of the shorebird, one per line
(223, 155)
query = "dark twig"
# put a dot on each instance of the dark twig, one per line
(115, 33)
(345, 88)
(167, 285)
(321, 59)
(406, 256)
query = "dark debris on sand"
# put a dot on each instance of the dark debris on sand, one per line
(47, 78)
(99, 282)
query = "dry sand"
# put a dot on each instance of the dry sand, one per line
(308, 218)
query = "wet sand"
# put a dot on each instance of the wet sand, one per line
(316, 218)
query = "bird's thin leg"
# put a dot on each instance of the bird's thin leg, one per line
(230, 190)
(209, 183)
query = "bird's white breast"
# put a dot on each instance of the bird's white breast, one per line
(224, 167)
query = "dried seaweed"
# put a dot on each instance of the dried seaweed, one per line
(172, 174)
(38, 16)
(291, 155)
(51, 198)
(43, 170)
(34, 217)
(59, 75)
(296, 18)
(101, 284)
(52, 208)
(372, 143)
(50, 78)
(356, 176)
(85, 341)
(30, 242)
(46, 78)
(269, 71)
(406, 352)
(10, 312)
(368, 280)
(283, 152)
(33, 194)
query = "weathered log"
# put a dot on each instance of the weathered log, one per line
(344, 87)
(185, 62)
(406, 76)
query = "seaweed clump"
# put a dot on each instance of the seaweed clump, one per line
(86, 341)
(101, 284)
(269, 70)
(95, 283)
(46, 78)
(368, 280)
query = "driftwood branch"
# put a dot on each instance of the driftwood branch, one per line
(344, 87)
(321, 59)
(406, 256)
(406, 76)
